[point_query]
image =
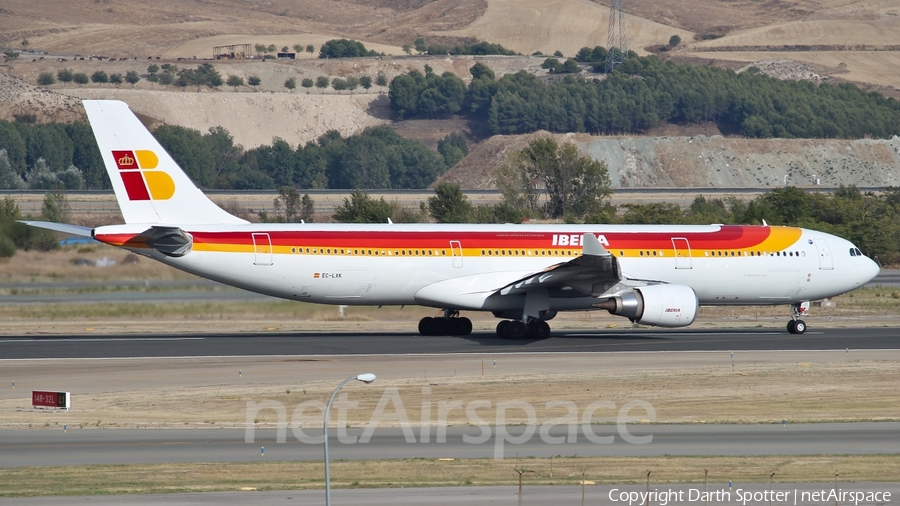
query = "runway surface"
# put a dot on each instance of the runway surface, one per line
(42, 447)
(376, 343)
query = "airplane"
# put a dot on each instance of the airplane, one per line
(524, 274)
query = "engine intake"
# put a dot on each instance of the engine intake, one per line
(659, 305)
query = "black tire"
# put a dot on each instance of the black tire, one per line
(501, 327)
(425, 326)
(515, 330)
(799, 327)
(453, 326)
(439, 326)
(791, 326)
(540, 330)
(464, 326)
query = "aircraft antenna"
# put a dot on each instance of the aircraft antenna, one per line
(615, 40)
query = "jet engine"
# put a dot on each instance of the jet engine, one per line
(659, 305)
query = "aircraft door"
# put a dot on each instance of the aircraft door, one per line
(456, 251)
(262, 249)
(825, 260)
(682, 253)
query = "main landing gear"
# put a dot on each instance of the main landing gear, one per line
(796, 325)
(515, 329)
(448, 325)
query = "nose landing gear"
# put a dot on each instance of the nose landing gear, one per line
(796, 325)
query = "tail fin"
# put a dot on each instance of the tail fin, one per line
(150, 187)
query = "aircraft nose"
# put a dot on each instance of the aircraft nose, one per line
(868, 271)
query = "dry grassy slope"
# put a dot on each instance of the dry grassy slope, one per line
(566, 25)
(706, 161)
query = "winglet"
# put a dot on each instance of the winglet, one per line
(591, 246)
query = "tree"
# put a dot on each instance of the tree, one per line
(577, 187)
(271, 48)
(132, 77)
(116, 79)
(260, 49)
(381, 80)
(56, 207)
(80, 78)
(674, 41)
(361, 208)
(65, 75)
(166, 78)
(449, 205)
(365, 82)
(407, 49)
(235, 81)
(322, 82)
(190, 152)
(253, 81)
(307, 83)
(9, 177)
(310, 49)
(285, 49)
(10, 55)
(99, 77)
(46, 78)
(453, 148)
(339, 84)
(344, 48)
(481, 71)
(152, 68)
(558, 54)
(288, 200)
(420, 45)
(290, 83)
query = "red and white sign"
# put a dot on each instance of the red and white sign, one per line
(50, 399)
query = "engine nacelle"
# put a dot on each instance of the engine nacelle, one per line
(659, 305)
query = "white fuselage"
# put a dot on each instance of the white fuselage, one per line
(392, 264)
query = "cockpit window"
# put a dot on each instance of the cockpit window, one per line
(853, 252)
(858, 252)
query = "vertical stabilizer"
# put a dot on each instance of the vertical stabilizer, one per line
(150, 187)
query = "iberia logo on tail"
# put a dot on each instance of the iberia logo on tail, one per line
(141, 183)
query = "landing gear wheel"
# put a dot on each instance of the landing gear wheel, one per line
(425, 326)
(463, 326)
(796, 327)
(501, 327)
(515, 330)
(439, 326)
(540, 330)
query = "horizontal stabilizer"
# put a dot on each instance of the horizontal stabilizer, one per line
(61, 227)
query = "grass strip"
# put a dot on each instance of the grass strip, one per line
(209, 477)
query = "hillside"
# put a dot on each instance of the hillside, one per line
(707, 161)
(817, 40)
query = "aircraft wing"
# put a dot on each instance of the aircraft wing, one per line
(592, 273)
